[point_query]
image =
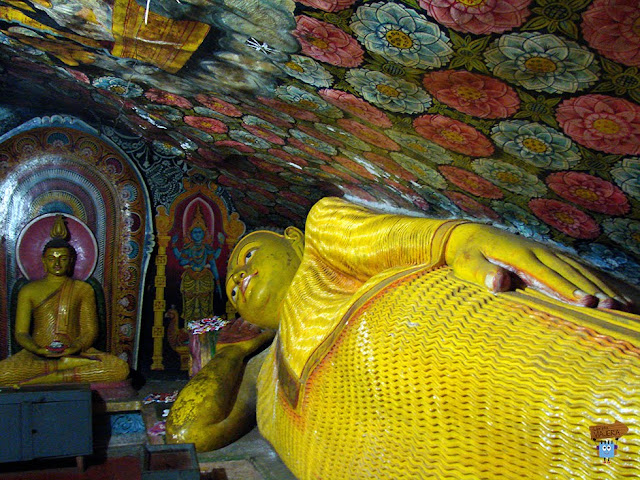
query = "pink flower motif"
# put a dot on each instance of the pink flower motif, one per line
(309, 150)
(287, 157)
(565, 218)
(354, 167)
(328, 5)
(358, 192)
(338, 173)
(291, 110)
(167, 98)
(268, 117)
(472, 93)
(206, 124)
(263, 133)
(238, 146)
(264, 165)
(612, 27)
(454, 135)
(471, 206)
(368, 134)
(478, 16)
(295, 198)
(604, 123)
(327, 43)
(388, 165)
(356, 106)
(321, 136)
(589, 192)
(218, 105)
(210, 156)
(470, 182)
(78, 75)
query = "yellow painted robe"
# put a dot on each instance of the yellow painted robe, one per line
(414, 374)
(68, 313)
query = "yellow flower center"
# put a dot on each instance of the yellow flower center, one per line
(294, 66)
(469, 93)
(471, 3)
(417, 147)
(586, 194)
(540, 65)
(534, 145)
(565, 218)
(453, 137)
(388, 90)
(119, 89)
(606, 126)
(308, 104)
(508, 177)
(635, 236)
(318, 42)
(399, 39)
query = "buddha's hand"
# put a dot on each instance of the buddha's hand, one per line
(245, 348)
(488, 256)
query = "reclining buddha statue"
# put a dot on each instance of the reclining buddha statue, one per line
(402, 350)
(56, 325)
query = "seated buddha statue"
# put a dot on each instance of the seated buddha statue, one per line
(56, 325)
(410, 348)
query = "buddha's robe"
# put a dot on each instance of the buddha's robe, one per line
(413, 373)
(67, 314)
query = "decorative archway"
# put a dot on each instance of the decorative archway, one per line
(61, 165)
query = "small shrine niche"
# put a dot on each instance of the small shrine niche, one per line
(195, 237)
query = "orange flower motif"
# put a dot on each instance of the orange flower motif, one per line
(454, 135)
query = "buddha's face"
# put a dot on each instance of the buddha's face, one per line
(57, 261)
(260, 271)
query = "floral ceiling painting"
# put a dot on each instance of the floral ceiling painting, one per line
(521, 113)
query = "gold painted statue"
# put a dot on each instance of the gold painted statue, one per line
(56, 325)
(399, 353)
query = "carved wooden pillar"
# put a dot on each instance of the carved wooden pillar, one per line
(163, 225)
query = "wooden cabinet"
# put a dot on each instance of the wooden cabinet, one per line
(38, 422)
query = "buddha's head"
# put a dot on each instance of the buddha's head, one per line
(260, 271)
(58, 258)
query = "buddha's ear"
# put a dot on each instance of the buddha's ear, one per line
(296, 239)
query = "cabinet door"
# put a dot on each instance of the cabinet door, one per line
(11, 432)
(61, 428)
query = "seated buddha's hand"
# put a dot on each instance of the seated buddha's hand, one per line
(488, 256)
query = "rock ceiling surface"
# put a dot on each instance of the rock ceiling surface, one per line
(522, 113)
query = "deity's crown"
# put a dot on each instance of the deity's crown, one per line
(198, 220)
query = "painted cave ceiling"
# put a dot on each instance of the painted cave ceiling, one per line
(521, 113)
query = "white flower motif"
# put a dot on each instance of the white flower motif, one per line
(510, 177)
(391, 93)
(421, 147)
(624, 231)
(426, 174)
(542, 62)
(307, 100)
(537, 144)
(308, 70)
(401, 35)
(627, 175)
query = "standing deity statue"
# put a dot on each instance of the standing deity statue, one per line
(200, 277)
(57, 324)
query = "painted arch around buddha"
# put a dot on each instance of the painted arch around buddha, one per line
(60, 165)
